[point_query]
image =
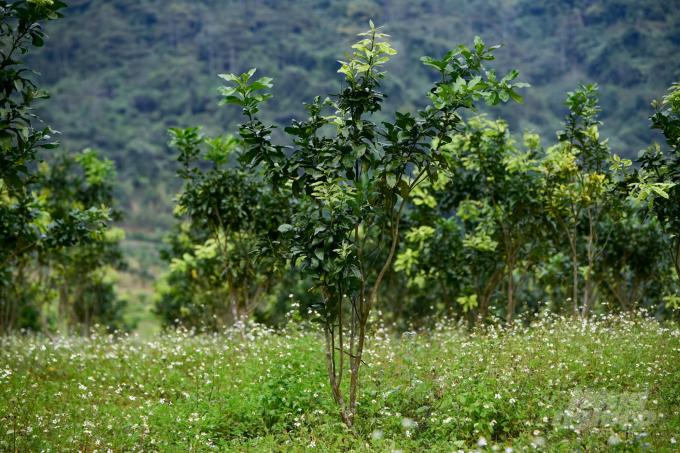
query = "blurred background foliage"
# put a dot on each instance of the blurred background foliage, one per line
(121, 73)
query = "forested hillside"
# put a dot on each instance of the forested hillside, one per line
(122, 72)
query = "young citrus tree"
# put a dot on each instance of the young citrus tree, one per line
(658, 180)
(231, 210)
(83, 275)
(488, 168)
(578, 188)
(634, 262)
(354, 184)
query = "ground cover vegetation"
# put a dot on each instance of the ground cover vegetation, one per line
(439, 389)
(368, 226)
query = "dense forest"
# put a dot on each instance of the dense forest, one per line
(121, 73)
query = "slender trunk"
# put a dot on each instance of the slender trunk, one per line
(676, 259)
(591, 253)
(331, 369)
(575, 263)
(447, 301)
(354, 379)
(511, 300)
(233, 300)
(43, 323)
(586, 301)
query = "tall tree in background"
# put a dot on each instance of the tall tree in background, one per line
(27, 228)
(488, 168)
(231, 210)
(81, 276)
(634, 264)
(578, 187)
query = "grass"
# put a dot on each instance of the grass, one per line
(136, 285)
(448, 389)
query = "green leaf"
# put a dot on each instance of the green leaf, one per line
(232, 100)
(226, 91)
(473, 83)
(451, 54)
(14, 180)
(230, 77)
(37, 41)
(464, 50)
(264, 82)
(285, 228)
(403, 188)
(511, 75)
(5, 141)
(391, 180)
(479, 45)
(515, 96)
(348, 161)
(359, 151)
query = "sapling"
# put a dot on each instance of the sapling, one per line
(354, 184)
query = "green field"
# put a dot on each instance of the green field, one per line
(445, 390)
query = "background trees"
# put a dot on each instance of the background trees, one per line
(506, 186)
(578, 187)
(61, 257)
(122, 74)
(52, 222)
(213, 278)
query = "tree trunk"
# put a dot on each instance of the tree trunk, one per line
(234, 301)
(511, 289)
(575, 297)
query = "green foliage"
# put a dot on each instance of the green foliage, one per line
(488, 214)
(20, 140)
(634, 270)
(578, 187)
(212, 279)
(658, 180)
(60, 257)
(56, 238)
(354, 185)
